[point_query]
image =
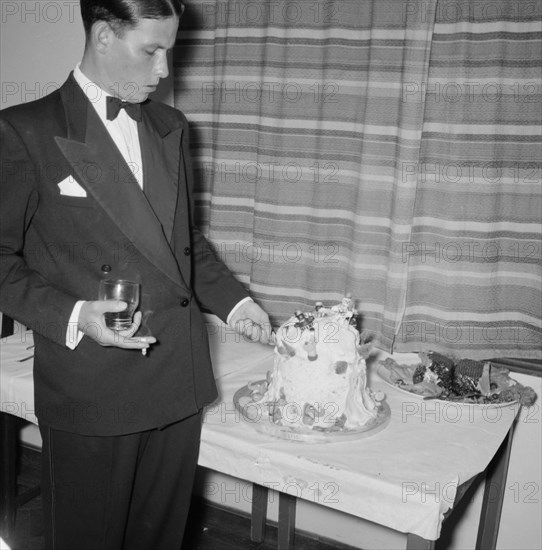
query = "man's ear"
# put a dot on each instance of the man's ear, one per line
(101, 36)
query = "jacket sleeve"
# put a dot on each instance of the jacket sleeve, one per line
(24, 294)
(214, 285)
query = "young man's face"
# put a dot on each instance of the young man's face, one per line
(137, 60)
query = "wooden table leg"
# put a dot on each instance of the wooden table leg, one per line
(258, 518)
(8, 473)
(286, 529)
(494, 490)
(414, 542)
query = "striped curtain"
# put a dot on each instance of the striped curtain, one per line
(325, 135)
(474, 269)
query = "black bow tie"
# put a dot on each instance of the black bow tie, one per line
(114, 105)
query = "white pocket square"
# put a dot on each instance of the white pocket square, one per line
(71, 188)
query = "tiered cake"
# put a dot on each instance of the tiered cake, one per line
(319, 375)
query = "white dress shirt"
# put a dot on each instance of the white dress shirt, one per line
(123, 130)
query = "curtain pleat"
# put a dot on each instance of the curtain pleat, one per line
(313, 129)
(474, 270)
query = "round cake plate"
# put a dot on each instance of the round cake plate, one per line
(257, 414)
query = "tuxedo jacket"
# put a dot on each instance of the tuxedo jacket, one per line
(73, 214)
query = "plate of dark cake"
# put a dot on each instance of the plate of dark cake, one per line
(443, 378)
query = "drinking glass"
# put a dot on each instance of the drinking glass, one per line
(122, 290)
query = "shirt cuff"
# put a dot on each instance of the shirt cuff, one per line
(73, 334)
(237, 306)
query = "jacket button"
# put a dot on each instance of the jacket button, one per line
(187, 251)
(106, 268)
(185, 302)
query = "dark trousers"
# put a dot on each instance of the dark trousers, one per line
(129, 492)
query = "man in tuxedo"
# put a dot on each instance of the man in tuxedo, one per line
(94, 188)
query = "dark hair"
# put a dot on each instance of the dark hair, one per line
(125, 14)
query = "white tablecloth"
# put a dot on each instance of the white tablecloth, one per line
(16, 384)
(404, 477)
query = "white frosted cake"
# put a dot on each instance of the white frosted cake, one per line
(319, 375)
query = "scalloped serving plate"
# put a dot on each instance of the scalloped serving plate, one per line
(257, 414)
(385, 374)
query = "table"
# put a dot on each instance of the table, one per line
(407, 477)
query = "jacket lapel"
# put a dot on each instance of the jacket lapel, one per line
(160, 155)
(101, 169)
